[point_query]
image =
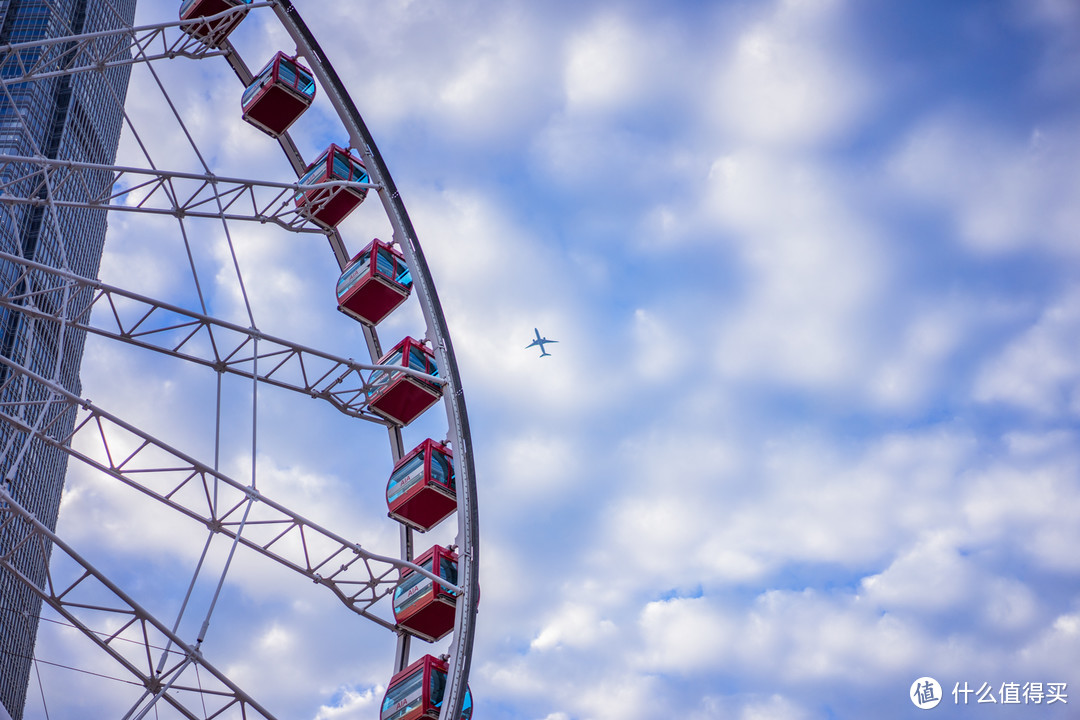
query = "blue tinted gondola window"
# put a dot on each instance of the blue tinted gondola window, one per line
(390, 266)
(438, 687)
(404, 593)
(346, 168)
(287, 73)
(438, 682)
(448, 570)
(316, 173)
(359, 173)
(466, 705)
(440, 470)
(380, 377)
(405, 477)
(419, 361)
(408, 690)
(256, 85)
(306, 83)
(341, 167)
(384, 263)
(353, 273)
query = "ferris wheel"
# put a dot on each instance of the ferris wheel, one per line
(245, 177)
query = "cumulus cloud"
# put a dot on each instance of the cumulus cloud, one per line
(786, 81)
(575, 626)
(616, 62)
(684, 635)
(814, 271)
(353, 704)
(1001, 191)
(933, 575)
(1037, 371)
(773, 708)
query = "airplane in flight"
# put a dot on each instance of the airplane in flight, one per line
(541, 342)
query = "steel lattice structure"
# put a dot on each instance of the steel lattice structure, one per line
(57, 302)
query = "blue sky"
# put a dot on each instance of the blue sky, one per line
(810, 430)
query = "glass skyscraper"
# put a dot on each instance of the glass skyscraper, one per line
(75, 117)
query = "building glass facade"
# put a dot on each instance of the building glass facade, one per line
(75, 117)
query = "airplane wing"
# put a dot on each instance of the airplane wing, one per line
(541, 341)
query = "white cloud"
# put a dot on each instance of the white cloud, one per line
(576, 626)
(660, 354)
(932, 576)
(1055, 648)
(815, 270)
(1031, 503)
(353, 704)
(615, 63)
(786, 82)
(684, 636)
(1011, 605)
(1038, 370)
(909, 374)
(1001, 192)
(537, 466)
(774, 708)
(698, 510)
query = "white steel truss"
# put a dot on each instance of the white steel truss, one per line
(135, 638)
(47, 294)
(42, 182)
(99, 51)
(360, 579)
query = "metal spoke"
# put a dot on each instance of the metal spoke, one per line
(100, 51)
(360, 579)
(90, 597)
(179, 194)
(226, 347)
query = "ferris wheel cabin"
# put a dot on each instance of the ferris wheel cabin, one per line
(421, 492)
(280, 94)
(374, 282)
(211, 32)
(417, 692)
(328, 206)
(422, 606)
(398, 396)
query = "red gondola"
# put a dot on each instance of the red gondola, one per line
(422, 606)
(280, 93)
(328, 206)
(417, 692)
(421, 492)
(374, 282)
(211, 33)
(399, 397)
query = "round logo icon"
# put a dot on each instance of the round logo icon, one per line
(925, 693)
